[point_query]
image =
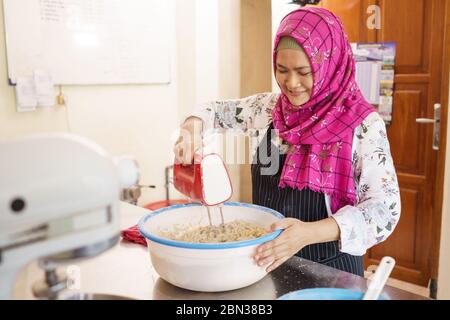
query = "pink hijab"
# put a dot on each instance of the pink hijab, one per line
(320, 132)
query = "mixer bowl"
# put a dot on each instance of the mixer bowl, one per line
(207, 267)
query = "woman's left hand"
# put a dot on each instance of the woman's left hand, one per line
(296, 235)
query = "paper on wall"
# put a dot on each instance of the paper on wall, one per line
(44, 88)
(26, 94)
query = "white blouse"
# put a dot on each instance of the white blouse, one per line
(377, 210)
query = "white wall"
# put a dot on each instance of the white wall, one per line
(215, 63)
(279, 10)
(444, 255)
(209, 52)
(141, 119)
(230, 49)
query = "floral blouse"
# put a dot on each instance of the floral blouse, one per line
(377, 210)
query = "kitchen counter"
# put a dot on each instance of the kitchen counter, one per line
(126, 270)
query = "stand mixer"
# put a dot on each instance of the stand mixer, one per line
(59, 197)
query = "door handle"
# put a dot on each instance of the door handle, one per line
(437, 124)
(425, 120)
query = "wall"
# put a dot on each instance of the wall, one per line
(141, 120)
(256, 56)
(212, 59)
(208, 52)
(229, 35)
(279, 10)
(444, 255)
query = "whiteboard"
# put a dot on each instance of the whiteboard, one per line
(89, 41)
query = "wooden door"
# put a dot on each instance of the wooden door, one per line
(417, 26)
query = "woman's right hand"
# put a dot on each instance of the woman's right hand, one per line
(189, 141)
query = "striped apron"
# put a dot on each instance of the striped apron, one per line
(305, 205)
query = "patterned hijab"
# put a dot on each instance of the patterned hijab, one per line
(320, 132)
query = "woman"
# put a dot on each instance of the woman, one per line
(336, 184)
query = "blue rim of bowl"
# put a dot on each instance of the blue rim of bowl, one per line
(191, 245)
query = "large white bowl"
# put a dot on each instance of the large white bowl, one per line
(208, 267)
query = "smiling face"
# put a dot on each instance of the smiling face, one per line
(294, 75)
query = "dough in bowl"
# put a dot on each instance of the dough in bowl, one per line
(237, 230)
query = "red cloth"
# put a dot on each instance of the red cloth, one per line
(132, 234)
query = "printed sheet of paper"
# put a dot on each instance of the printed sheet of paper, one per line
(44, 89)
(26, 98)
